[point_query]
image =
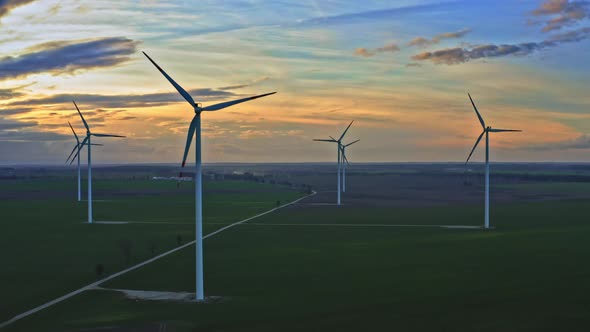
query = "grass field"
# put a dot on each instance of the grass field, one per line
(46, 250)
(527, 275)
(307, 267)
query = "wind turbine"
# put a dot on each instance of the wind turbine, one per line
(195, 127)
(486, 130)
(87, 141)
(339, 143)
(78, 147)
(345, 166)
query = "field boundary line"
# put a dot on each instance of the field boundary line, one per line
(368, 225)
(115, 275)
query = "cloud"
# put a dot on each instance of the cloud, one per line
(9, 94)
(581, 142)
(451, 56)
(122, 101)
(422, 42)
(373, 15)
(6, 125)
(25, 131)
(361, 51)
(240, 86)
(7, 5)
(14, 111)
(364, 52)
(127, 118)
(31, 136)
(563, 13)
(68, 57)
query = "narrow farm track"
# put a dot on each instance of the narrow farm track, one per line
(151, 260)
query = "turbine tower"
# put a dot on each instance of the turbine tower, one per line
(486, 130)
(345, 165)
(195, 127)
(339, 148)
(87, 142)
(78, 147)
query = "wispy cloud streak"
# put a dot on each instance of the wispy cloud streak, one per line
(68, 57)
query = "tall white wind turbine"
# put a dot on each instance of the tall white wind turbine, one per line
(77, 147)
(486, 130)
(87, 142)
(195, 128)
(345, 163)
(339, 148)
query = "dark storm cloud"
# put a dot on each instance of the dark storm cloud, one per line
(562, 13)
(67, 57)
(7, 5)
(451, 56)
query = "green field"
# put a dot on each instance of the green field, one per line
(554, 187)
(527, 275)
(47, 250)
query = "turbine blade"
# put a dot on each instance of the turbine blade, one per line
(105, 135)
(80, 149)
(73, 150)
(483, 124)
(83, 120)
(180, 90)
(351, 143)
(189, 139)
(345, 159)
(504, 130)
(77, 140)
(325, 140)
(344, 133)
(95, 144)
(476, 142)
(219, 106)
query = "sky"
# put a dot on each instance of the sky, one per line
(400, 69)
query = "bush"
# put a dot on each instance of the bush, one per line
(152, 248)
(99, 269)
(126, 245)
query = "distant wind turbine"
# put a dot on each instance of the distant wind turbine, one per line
(195, 127)
(87, 142)
(486, 131)
(77, 147)
(339, 148)
(345, 165)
